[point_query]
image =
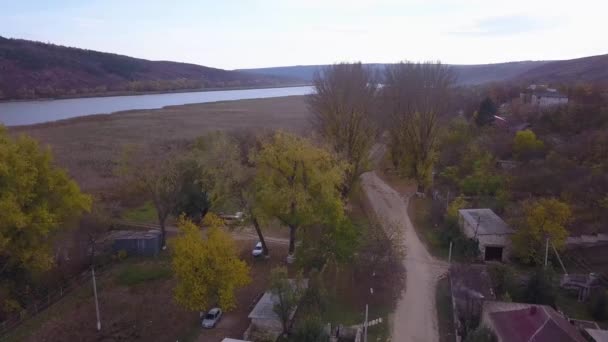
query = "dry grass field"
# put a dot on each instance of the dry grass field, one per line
(89, 147)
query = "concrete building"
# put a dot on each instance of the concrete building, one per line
(491, 231)
(543, 96)
(133, 242)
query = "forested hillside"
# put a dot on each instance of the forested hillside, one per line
(38, 70)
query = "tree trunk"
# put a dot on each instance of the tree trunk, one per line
(163, 233)
(258, 230)
(292, 239)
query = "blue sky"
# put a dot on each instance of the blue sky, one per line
(260, 33)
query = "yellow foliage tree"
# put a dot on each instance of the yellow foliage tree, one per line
(37, 200)
(298, 183)
(526, 143)
(543, 218)
(208, 270)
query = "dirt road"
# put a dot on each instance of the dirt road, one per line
(415, 317)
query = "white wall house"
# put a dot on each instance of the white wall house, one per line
(493, 234)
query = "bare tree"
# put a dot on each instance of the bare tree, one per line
(416, 95)
(342, 108)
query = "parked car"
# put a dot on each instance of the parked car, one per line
(212, 318)
(238, 216)
(257, 250)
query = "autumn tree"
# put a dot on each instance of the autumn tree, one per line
(526, 144)
(416, 94)
(341, 107)
(37, 201)
(486, 112)
(208, 270)
(543, 218)
(157, 176)
(228, 174)
(193, 200)
(287, 292)
(297, 183)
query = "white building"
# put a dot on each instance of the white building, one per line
(543, 96)
(491, 231)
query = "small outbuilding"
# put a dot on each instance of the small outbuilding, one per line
(492, 233)
(135, 242)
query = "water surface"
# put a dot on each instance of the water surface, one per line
(33, 112)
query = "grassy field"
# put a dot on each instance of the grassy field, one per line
(89, 147)
(145, 213)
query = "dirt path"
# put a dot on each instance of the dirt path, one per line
(415, 318)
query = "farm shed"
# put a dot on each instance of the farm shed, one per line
(264, 318)
(135, 242)
(491, 231)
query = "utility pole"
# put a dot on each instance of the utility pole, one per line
(450, 253)
(92, 242)
(365, 325)
(95, 295)
(546, 251)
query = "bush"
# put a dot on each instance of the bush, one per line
(481, 334)
(598, 305)
(311, 329)
(462, 247)
(503, 280)
(541, 288)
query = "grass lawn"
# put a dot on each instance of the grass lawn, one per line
(135, 274)
(445, 317)
(145, 213)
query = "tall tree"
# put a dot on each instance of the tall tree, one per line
(297, 183)
(543, 218)
(416, 95)
(526, 145)
(228, 174)
(208, 270)
(486, 112)
(288, 293)
(159, 177)
(37, 200)
(342, 106)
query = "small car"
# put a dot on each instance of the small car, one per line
(212, 318)
(257, 250)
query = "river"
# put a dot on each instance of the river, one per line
(33, 112)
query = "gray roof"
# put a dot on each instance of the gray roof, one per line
(489, 223)
(129, 234)
(598, 335)
(264, 309)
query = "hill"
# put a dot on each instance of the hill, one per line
(592, 69)
(588, 69)
(38, 70)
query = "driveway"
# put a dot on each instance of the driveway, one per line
(415, 318)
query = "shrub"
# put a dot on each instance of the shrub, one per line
(311, 329)
(598, 305)
(541, 289)
(137, 274)
(481, 334)
(503, 279)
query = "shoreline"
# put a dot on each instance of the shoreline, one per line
(111, 115)
(131, 93)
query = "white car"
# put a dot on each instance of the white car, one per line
(212, 318)
(257, 250)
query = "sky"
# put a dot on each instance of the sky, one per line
(263, 33)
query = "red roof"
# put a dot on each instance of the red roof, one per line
(538, 323)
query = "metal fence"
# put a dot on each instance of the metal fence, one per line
(53, 296)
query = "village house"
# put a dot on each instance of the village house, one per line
(519, 322)
(543, 96)
(492, 233)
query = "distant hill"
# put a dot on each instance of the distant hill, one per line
(588, 69)
(592, 69)
(31, 69)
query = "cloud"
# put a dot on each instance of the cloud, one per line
(505, 26)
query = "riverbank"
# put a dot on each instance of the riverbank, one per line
(90, 146)
(138, 93)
